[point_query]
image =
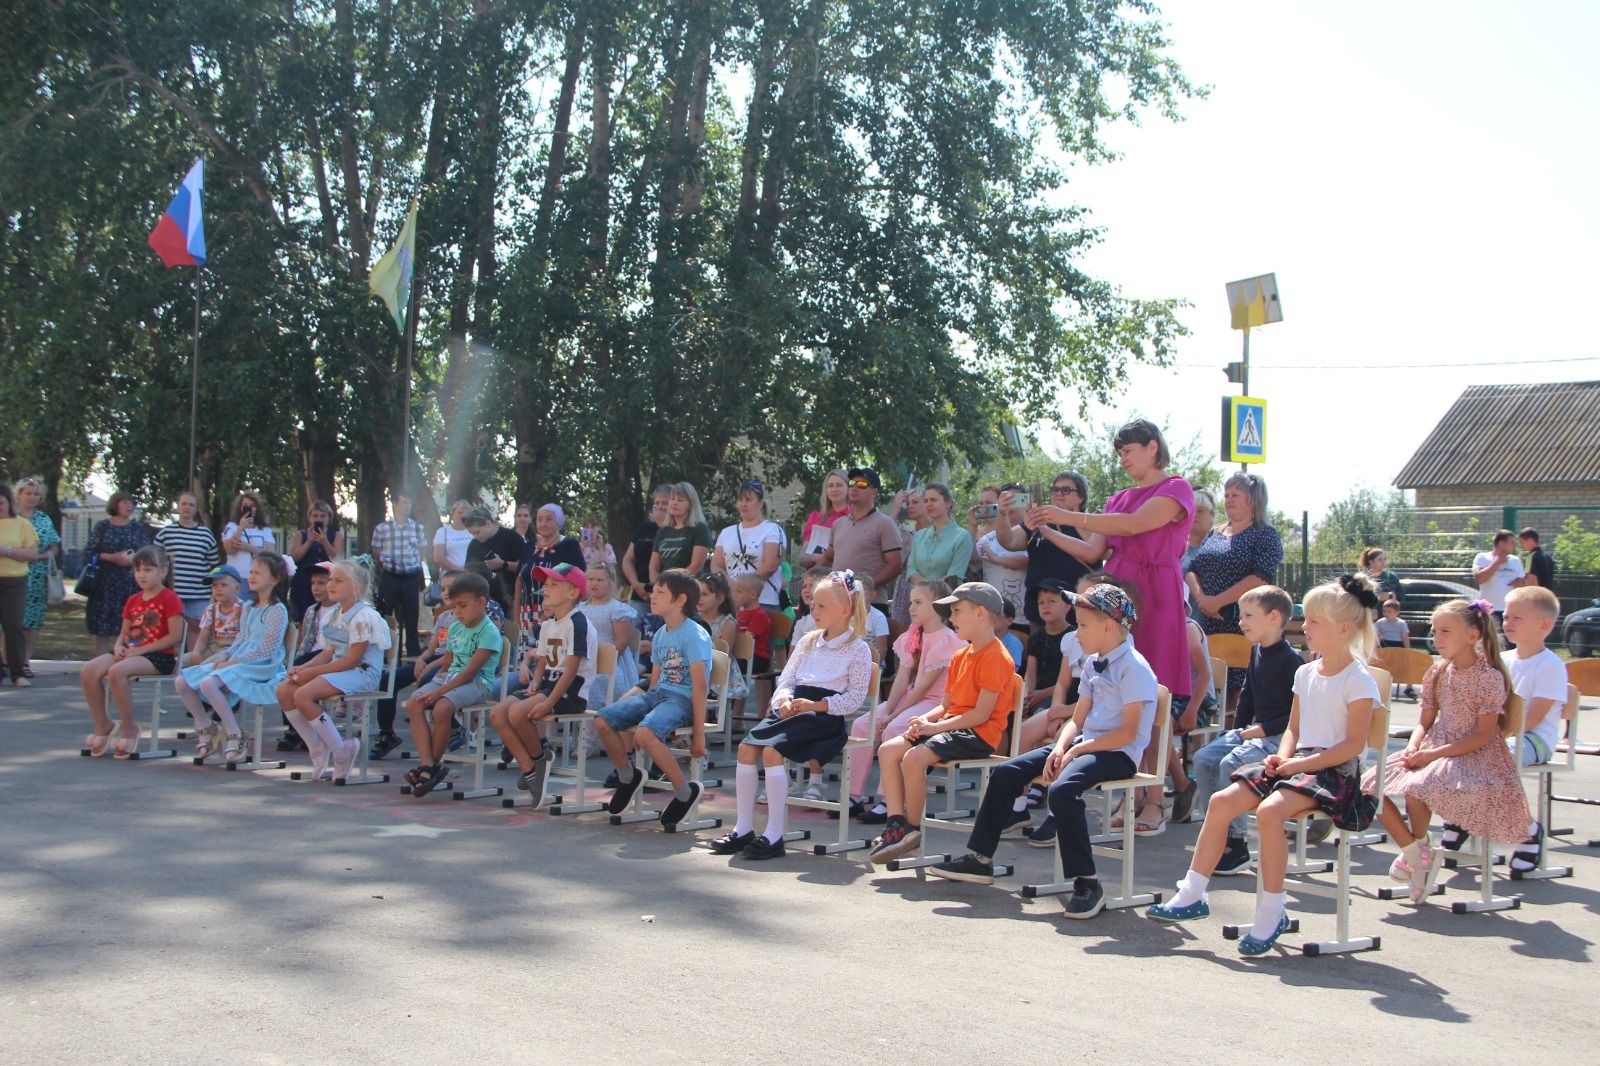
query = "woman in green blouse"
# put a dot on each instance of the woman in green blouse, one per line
(942, 549)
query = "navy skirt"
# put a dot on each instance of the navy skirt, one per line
(802, 737)
(1336, 790)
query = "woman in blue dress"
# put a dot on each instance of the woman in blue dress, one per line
(1239, 555)
(254, 666)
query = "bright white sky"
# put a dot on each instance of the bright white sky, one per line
(1421, 177)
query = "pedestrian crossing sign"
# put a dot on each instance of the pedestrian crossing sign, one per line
(1244, 429)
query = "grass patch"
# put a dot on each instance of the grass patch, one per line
(63, 635)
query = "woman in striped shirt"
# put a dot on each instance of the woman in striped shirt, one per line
(193, 551)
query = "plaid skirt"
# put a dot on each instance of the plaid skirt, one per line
(1336, 789)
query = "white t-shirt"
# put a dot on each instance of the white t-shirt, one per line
(259, 538)
(1541, 677)
(455, 543)
(1325, 701)
(1010, 582)
(1072, 656)
(742, 549)
(877, 624)
(1500, 582)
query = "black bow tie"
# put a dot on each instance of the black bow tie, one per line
(1099, 665)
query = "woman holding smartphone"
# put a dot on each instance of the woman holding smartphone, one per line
(321, 541)
(248, 531)
(992, 562)
(1046, 558)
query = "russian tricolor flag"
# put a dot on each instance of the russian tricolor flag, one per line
(180, 237)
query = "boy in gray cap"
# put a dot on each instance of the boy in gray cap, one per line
(1109, 731)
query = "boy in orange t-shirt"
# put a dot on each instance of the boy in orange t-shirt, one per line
(979, 693)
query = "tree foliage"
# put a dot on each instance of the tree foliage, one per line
(656, 241)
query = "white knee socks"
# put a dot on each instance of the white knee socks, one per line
(191, 701)
(1192, 889)
(1270, 907)
(745, 780)
(217, 696)
(777, 805)
(298, 723)
(326, 733)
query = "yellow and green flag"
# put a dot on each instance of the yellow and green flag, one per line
(391, 276)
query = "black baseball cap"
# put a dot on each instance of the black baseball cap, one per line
(865, 473)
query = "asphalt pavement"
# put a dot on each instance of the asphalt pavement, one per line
(158, 912)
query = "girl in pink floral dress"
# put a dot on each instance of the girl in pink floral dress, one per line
(1455, 763)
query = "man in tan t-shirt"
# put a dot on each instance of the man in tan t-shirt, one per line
(866, 540)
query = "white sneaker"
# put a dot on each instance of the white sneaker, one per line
(345, 760)
(22, 682)
(814, 791)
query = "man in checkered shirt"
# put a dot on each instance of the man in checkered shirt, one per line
(397, 550)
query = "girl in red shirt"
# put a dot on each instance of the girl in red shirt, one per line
(152, 627)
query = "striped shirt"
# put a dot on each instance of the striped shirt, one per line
(194, 552)
(399, 545)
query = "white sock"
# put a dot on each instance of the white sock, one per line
(1413, 852)
(1021, 803)
(299, 724)
(1192, 889)
(1270, 907)
(745, 781)
(327, 734)
(777, 794)
(213, 691)
(1533, 829)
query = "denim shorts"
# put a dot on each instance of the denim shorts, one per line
(661, 712)
(466, 694)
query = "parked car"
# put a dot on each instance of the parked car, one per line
(1419, 597)
(1581, 631)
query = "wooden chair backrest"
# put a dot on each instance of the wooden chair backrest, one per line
(1585, 673)
(744, 647)
(1219, 679)
(1569, 713)
(1407, 666)
(782, 625)
(1231, 648)
(1385, 682)
(1163, 729)
(720, 645)
(1378, 730)
(719, 670)
(605, 659)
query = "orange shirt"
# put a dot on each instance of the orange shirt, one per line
(989, 669)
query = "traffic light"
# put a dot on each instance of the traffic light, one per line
(1235, 372)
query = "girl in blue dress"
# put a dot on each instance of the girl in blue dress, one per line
(252, 669)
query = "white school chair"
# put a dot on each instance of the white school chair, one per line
(1297, 876)
(154, 683)
(1585, 674)
(1484, 861)
(952, 770)
(475, 720)
(854, 748)
(346, 703)
(572, 725)
(639, 812)
(1120, 844)
(1545, 774)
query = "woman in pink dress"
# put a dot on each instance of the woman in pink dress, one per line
(1145, 530)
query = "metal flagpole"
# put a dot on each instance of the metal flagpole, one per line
(194, 384)
(405, 410)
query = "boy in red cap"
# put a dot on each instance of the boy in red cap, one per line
(555, 676)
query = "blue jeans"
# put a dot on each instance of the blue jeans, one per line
(1064, 799)
(659, 710)
(1535, 752)
(1215, 763)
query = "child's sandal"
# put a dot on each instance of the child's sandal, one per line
(126, 746)
(233, 748)
(98, 743)
(205, 742)
(1453, 838)
(414, 776)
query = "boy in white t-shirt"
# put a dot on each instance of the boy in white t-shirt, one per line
(1537, 674)
(1499, 571)
(877, 624)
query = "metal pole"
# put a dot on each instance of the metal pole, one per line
(1244, 382)
(1305, 554)
(194, 385)
(405, 410)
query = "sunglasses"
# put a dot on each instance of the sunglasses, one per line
(860, 483)
(1064, 490)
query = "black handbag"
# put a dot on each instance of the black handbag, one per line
(89, 578)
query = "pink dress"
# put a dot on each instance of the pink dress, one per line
(1150, 563)
(1479, 791)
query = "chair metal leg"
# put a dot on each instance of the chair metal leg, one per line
(254, 761)
(155, 750)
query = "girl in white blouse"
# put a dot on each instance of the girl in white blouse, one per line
(825, 680)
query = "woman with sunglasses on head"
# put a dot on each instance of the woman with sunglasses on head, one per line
(752, 545)
(1047, 560)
